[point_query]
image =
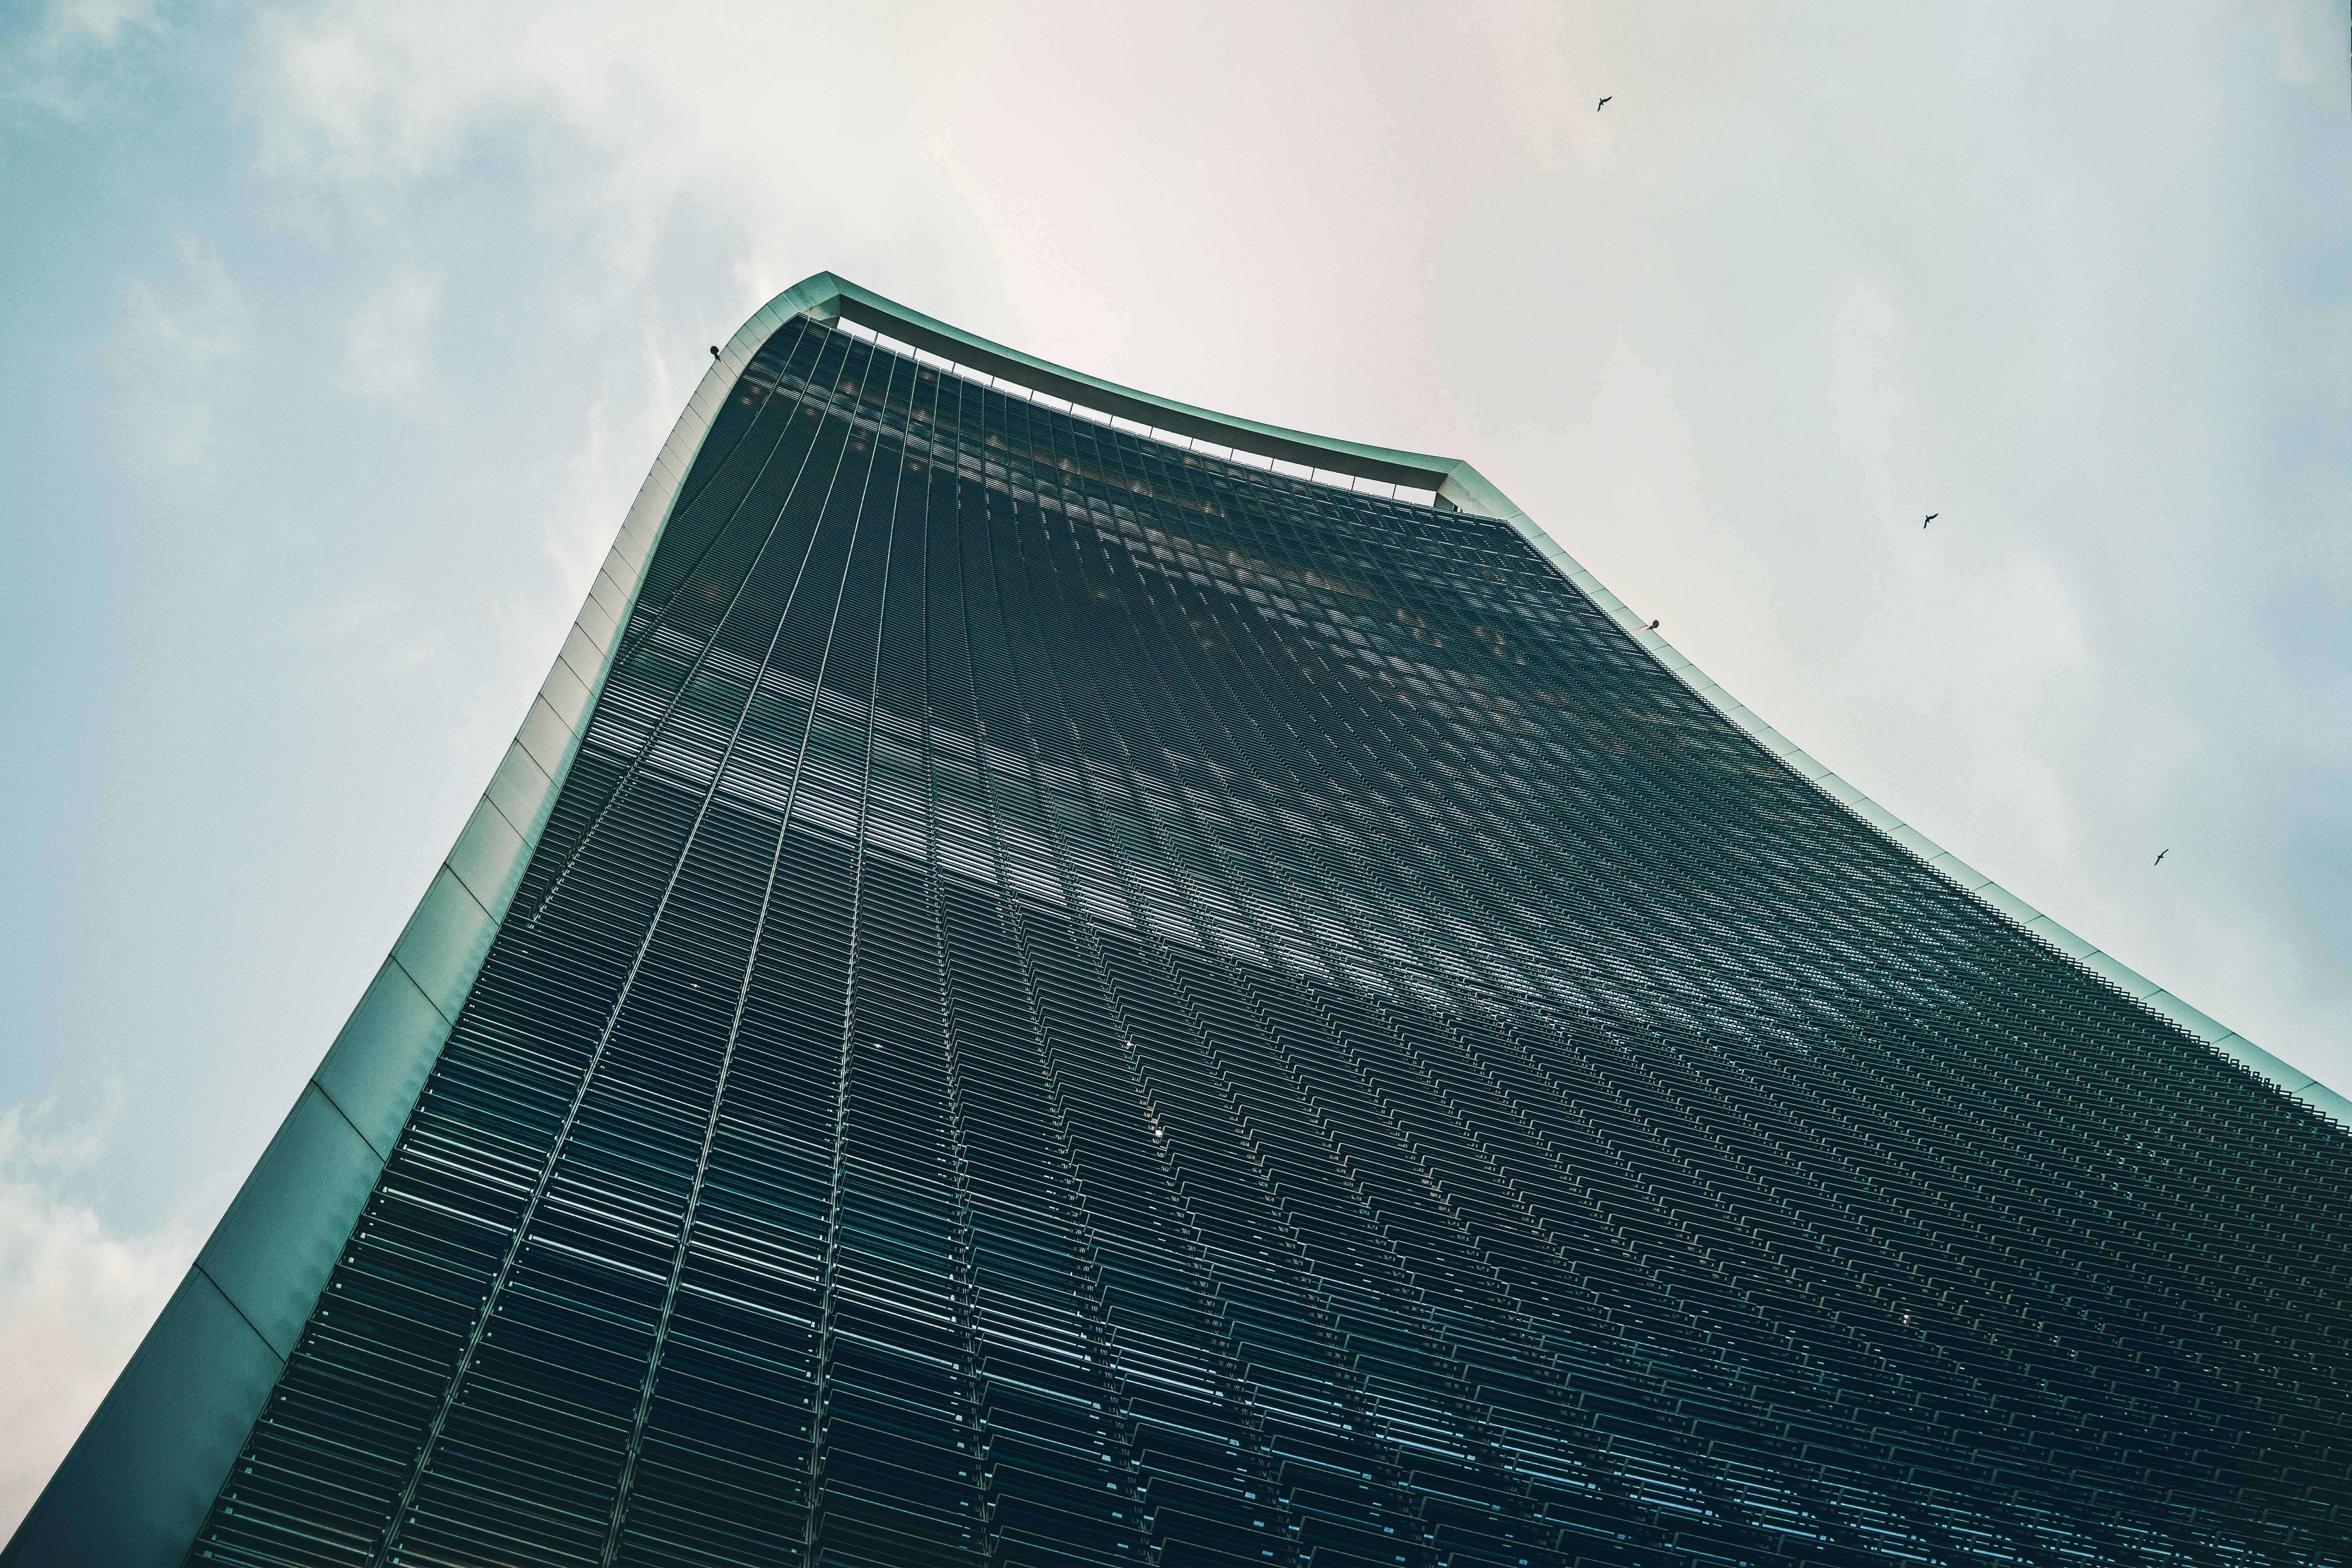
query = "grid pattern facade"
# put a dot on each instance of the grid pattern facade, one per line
(1086, 1004)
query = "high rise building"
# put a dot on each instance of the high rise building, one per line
(1057, 978)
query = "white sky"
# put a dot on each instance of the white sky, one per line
(339, 336)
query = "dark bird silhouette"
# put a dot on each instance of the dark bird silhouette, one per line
(2160, 858)
(714, 350)
(1650, 627)
(1597, 108)
(1931, 516)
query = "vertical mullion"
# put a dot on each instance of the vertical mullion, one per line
(388, 1549)
(826, 1283)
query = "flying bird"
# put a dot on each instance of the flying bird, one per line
(1931, 516)
(1597, 108)
(2160, 858)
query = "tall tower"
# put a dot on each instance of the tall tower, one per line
(1058, 978)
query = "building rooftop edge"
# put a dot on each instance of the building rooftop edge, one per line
(828, 296)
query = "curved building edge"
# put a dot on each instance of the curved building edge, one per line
(134, 1489)
(135, 1486)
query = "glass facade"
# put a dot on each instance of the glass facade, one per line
(1084, 1003)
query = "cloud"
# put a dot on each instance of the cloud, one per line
(24, 1143)
(74, 1302)
(97, 22)
(388, 356)
(372, 628)
(39, 71)
(75, 1299)
(185, 330)
(348, 616)
(387, 92)
(2309, 38)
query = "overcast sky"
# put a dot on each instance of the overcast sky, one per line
(337, 339)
